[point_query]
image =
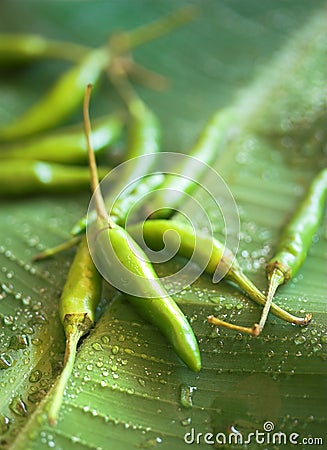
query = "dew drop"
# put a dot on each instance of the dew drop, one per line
(39, 319)
(97, 346)
(8, 320)
(115, 350)
(310, 419)
(4, 424)
(238, 336)
(35, 376)
(28, 330)
(186, 395)
(8, 289)
(18, 407)
(141, 382)
(186, 421)
(18, 341)
(26, 301)
(299, 340)
(6, 361)
(105, 339)
(150, 443)
(317, 347)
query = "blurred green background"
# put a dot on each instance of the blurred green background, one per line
(128, 388)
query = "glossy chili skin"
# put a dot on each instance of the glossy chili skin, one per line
(19, 48)
(209, 254)
(296, 237)
(156, 306)
(67, 145)
(209, 145)
(61, 100)
(82, 290)
(25, 177)
(78, 302)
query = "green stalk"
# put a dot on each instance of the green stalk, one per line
(253, 292)
(49, 252)
(71, 344)
(275, 279)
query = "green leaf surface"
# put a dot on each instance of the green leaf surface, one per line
(128, 389)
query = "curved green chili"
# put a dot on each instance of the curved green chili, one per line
(296, 238)
(18, 48)
(67, 93)
(24, 177)
(210, 252)
(209, 145)
(78, 303)
(111, 242)
(67, 146)
(156, 306)
(64, 97)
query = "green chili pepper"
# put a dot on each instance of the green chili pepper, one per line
(78, 303)
(156, 306)
(22, 48)
(64, 97)
(24, 177)
(67, 146)
(209, 144)
(296, 239)
(210, 254)
(111, 242)
(67, 94)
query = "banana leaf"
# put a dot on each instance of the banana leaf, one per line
(128, 388)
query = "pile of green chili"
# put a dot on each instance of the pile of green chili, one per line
(36, 158)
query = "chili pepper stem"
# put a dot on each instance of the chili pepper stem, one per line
(275, 279)
(69, 360)
(247, 286)
(49, 252)
(125, 41)
(145, 76)
(117, 75)
(254, 330)
(99, 202)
